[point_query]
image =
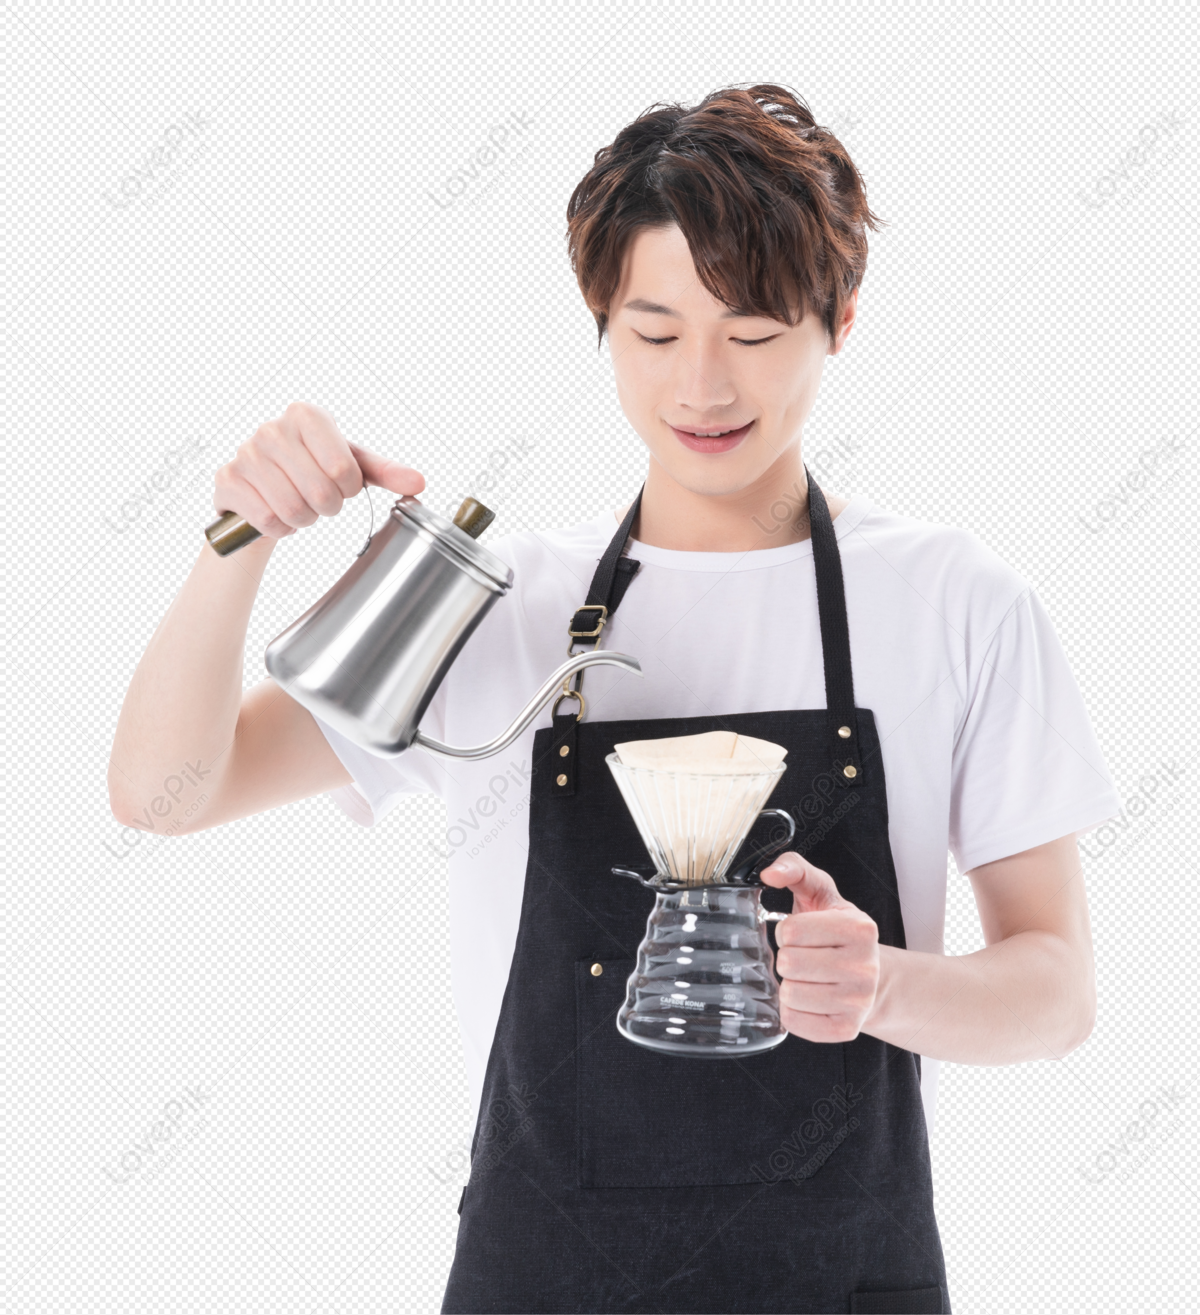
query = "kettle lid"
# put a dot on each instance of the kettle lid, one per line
(457, 544)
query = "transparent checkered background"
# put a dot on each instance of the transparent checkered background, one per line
(278, 988)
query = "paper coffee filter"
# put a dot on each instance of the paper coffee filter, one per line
(695, 797)
(712, 752)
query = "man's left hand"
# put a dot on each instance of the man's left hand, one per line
(828, 955)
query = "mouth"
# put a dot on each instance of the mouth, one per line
(712, 439)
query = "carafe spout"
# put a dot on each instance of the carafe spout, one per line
(553, 684)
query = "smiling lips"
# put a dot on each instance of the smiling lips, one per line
(698, 442)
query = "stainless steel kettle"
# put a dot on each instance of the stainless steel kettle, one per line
(368, 657)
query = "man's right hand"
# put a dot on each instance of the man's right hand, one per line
(298, 468)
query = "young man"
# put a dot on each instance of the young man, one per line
(914, 679)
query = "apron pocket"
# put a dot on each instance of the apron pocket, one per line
(645, 1119)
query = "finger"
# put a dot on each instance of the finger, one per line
(323, 442)
(386, 473)
(811, 887)
(299, 464)
(828, 928)
(791, 869)
(829, 999)
(824, 1028)
(852, 981)
(275, 488)
(805, 964)
(233, 493)
(783, 869)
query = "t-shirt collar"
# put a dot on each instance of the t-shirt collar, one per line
(852, 515)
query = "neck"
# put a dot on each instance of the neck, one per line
(769, 513)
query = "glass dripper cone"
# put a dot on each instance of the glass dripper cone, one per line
(693, 823)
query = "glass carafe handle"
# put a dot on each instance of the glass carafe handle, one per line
(746, 872)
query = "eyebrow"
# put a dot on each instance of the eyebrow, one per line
(653, 308)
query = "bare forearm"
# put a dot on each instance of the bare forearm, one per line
(1030, 996)
(181, 709)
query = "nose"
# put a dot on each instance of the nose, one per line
(703, 380)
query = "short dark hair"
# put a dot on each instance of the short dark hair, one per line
(772, 207)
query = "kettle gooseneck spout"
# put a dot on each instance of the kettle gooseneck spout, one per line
(601, 657)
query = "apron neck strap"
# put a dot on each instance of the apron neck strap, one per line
(831, 593)
(613, 576)
(831, 606)
(601, 590)
(610, 582)
(841, 723)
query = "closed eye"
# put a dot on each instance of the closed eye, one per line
(744, 342)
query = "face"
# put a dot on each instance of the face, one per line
(686, 367)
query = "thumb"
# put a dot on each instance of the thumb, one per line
(811, 887)
(386, 473)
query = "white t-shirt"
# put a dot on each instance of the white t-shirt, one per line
(986, 743)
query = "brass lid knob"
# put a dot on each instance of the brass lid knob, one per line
(473, 517)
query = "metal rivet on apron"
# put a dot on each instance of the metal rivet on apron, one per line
(844, 732)
(562, 778)
(850, 771)
(597, 969)
(562, 753)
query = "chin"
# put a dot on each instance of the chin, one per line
(711, 476)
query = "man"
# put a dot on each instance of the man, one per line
(914, 679)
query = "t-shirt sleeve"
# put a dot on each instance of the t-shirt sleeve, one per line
(380, 783)
(1026, 766)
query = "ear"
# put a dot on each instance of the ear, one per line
(849, 316)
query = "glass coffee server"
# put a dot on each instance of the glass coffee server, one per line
(704, 985)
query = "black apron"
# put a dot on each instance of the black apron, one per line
(609, 1177)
